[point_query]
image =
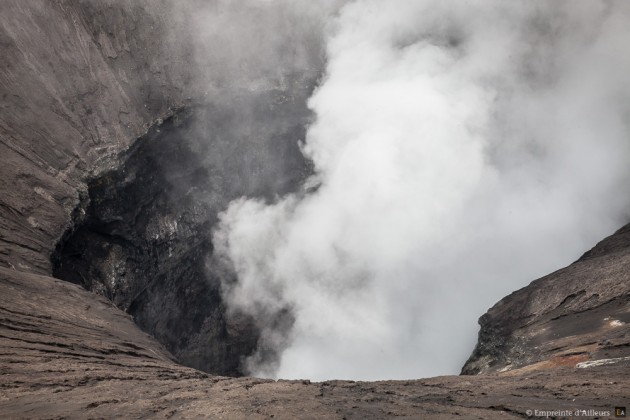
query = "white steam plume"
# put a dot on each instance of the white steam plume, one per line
(462, 149)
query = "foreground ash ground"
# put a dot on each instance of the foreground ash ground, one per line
(99, 133)
(68, 353)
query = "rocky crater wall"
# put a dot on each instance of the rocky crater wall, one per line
(121, 141)
(80, 81)
(142, 236)
(101, 124)
(576, 314)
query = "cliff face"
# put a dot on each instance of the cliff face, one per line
(79, 82)
(577, 314)
(142, 236)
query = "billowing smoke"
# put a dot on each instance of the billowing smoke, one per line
(461, 150)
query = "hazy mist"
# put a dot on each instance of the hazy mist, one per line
(461, 150)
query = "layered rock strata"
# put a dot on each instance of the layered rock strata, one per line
(576, 314)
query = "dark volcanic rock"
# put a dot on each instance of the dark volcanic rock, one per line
(578, 313)
(142, 236)
(78, 83)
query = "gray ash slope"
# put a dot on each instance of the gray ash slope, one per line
(104, 366)
(79, 83)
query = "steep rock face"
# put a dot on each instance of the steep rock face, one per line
(79, 81)
(142, 236)
(576, 314)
